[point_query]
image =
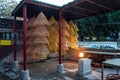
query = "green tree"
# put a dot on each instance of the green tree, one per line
(6, 7)
(86, 27)
(101, 26)
(114, 17)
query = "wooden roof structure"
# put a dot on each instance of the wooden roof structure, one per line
(74, 10)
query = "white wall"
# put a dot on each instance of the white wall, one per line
(89, 44)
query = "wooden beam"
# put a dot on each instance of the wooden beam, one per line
(73, 4)
(92, 11)
(109, 4)
(76, 13)
(42, 4)
(99, 5)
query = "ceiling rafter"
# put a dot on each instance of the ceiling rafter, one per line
(100, 5)
(95, 8)
(76, 13)
(86, 9)
(109, 3)
(73, 4)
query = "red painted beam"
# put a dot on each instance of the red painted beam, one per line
(24, 35)
(41, 4)
(15, 51)
(99, 5)
(92, 11)
(60, 35)
(73, 4)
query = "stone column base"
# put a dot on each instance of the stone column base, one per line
(15, 65)
(25, 75)
(60, 68)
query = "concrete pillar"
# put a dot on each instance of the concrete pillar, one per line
(84, 67)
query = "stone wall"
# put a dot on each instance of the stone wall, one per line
(73, 54)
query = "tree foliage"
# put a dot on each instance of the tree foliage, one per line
(86, 26)
(101, 26)
(6, 7)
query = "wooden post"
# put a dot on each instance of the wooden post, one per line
(60, 31)
(24, 35)
(14, 38)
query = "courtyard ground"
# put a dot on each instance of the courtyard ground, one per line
(47, 70)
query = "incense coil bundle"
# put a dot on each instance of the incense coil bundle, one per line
(30, 55)
(37, 37)
(41, 20)
(29, 49)
(41, 40)
(34, 51)
(53, 35)
(37, 40)
(41, 31)
(53, 30)
(64, 44)
(53, 47)
(52, 21)
(38, 49)
(65, 24)
(29, 32)
(65, 33)
(73, 35)
(30, 22)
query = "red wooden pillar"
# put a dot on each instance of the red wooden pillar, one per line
(15, 39)
(60, 31)
(24, 35)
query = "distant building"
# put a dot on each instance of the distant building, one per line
(7, 29)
